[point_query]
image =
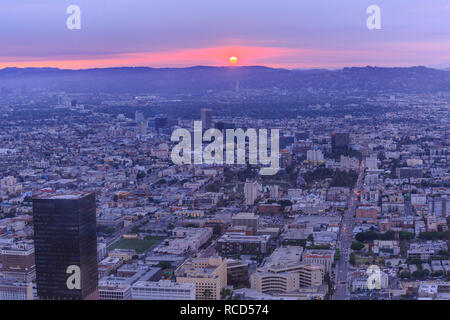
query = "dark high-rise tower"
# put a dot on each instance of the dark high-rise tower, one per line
(340, 142)
(65, 241)
(161, 122)
(206, 116)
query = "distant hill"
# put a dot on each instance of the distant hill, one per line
(198, 80)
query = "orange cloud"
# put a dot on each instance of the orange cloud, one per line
(217, 56)
(389, 54)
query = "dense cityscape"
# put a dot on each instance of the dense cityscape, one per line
(359, 209)
(224, 159)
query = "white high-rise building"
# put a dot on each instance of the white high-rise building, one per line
(314, 155)
(439, 205)
(372, 163)
(138, 117)
(142, 127)
(348, 163)
(274, 191)
(206, 115)
(251, 192)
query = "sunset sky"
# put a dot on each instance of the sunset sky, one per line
(178, 33)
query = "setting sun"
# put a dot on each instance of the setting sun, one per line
(233, 60)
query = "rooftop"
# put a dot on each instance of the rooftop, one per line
(61, 196)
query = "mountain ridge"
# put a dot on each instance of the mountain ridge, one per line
(201, 79)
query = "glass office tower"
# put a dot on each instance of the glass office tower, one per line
(65, 240)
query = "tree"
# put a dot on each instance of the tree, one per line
(356, 245)
(164, 264)
(337, 255)
(106, 229)
(437, 274)
(161, 181)
(11, 213)
(373, 235)
(414, 261)
(435, 235)
(405, 235)
(327, 280)
(444, 253)
(213, 187)
(405, 274)
(319, 247)
(140, 175)
(207, 294)
(285, 203)
(225, 293)
(352, 259)
(418, 274)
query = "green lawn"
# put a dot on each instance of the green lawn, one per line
(368, 260)
(139, 245)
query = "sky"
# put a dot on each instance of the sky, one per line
(178, 33)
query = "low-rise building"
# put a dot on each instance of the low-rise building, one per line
(208, 274)
(282, 278)
(114, 288)
(18, 262)
(230, 244)
(284, 272)
(386, 248)
(320, 256)
(162, 290)
(237, 272)
(124, 254)
(12, 289)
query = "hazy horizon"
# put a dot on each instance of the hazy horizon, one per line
(231, 67)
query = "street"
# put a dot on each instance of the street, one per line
(345, 242)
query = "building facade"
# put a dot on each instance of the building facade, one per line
(65, 242)
(18, 262)
(11, 289)
(208, 274)
(162, 290)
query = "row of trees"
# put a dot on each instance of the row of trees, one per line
(338, 178)
(420, 274)
(445, 235)
(388, 235)
(356, 245)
